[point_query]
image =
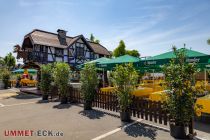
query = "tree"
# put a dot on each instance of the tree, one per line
(97, 41)
(208, 41)
(2, 61)
(9, 61)
(92, 38)
(134, 53)
(120, 50)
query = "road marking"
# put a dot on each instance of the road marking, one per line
(18, 104)
(116, 130)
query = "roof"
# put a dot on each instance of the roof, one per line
(51, 39)
(169, 55)
(122, 59)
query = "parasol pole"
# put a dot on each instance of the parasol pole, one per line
(205, 77)
(153, 78)
(103, 78)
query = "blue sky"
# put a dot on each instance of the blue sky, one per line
(150, 26)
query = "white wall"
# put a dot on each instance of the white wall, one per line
(50, 58)
(58, 59)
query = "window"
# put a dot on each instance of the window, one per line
(37, 48)
(44, 49)
(59, 52)
(92, 55)
(70, 53)
(80, 52)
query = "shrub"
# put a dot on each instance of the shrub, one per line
(6, 78)
(179, 77)
(125, 79)
(46, 78)
(61, 77)
(89, 82)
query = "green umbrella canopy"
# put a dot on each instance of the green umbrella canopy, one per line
(99, 60)
(22, 71)
(192, 56)
(110, 64)
(170, 55)
(122, 59)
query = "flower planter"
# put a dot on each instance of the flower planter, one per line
(64, 100)
(178, 132)
(88, 105)
(44, 97)
(125, 116)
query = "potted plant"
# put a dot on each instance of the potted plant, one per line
(46, 79)
(6, 78)
(179, 77)
(125, 80)
(61, 74)
(89, 83)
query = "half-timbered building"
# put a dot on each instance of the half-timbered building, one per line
(45, 47)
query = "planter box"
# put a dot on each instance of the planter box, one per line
(178, 132)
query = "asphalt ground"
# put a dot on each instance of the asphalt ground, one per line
(52, 121)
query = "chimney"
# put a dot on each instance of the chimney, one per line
(62, 36)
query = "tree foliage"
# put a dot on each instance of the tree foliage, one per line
(125, 79)
(208, 41)
(61, 74)
(179, 77)
(93, 39)
(2, 63)
(120, 50)
(89, 81)
(9, 61)
(46, 78)
(134, 53)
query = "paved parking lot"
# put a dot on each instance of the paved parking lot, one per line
(20, 111)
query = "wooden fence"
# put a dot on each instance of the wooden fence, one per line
(140, 108)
